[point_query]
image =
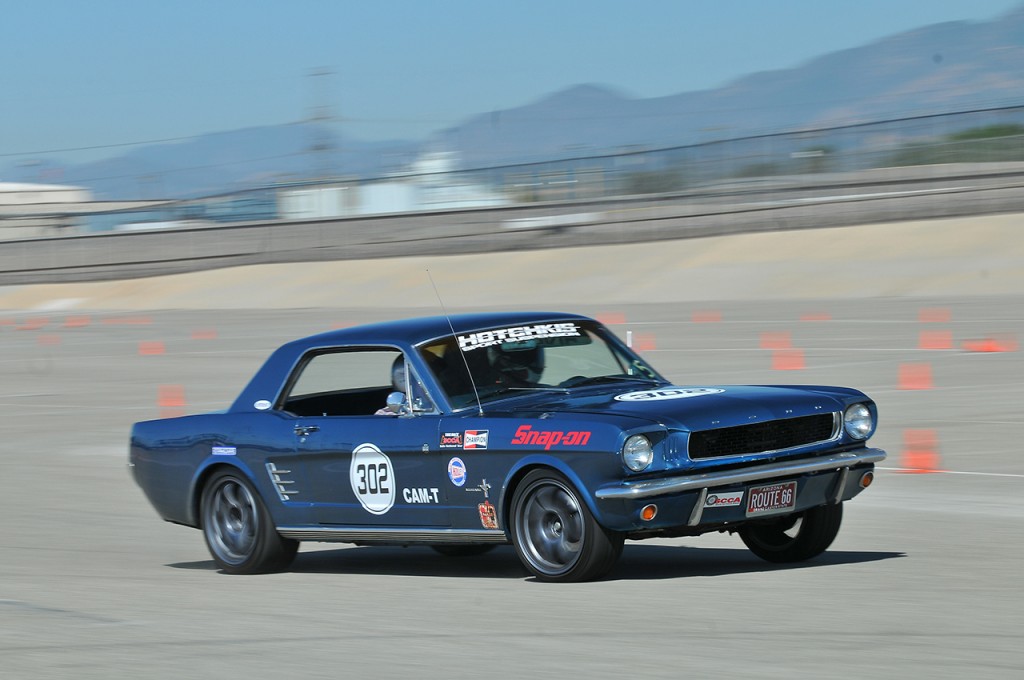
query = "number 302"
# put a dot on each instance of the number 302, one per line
(373, 478)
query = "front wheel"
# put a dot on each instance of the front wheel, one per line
(794, 538)
(238, 530)
(555, 534)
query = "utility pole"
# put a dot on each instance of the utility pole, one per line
(321, 148)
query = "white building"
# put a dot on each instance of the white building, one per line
(431, 183)
(41, 194)
(32, 210)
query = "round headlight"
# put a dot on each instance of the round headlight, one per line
(637, 453)
(857, 421)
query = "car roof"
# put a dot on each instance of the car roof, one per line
(269, 379)
(416, 330)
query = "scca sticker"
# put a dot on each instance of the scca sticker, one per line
(373, 479)
(668, 393)
(724, 500)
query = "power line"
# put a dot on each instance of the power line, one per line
(98, 146)
(170, 171)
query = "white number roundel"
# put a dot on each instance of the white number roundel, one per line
(373, 479)
(663, 393)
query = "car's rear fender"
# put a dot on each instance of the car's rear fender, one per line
(204, 471)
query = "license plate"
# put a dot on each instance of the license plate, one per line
(771, 498)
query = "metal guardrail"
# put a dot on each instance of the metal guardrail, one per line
(811, 202)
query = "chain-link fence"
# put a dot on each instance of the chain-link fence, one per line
(704, 170)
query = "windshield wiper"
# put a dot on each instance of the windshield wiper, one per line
(579, 381)
(507, 390)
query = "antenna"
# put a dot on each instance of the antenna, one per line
(476, 394)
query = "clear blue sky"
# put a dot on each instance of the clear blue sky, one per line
(99, 73)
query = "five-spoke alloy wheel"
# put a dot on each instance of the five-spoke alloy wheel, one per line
(238, 529)
(555, 534)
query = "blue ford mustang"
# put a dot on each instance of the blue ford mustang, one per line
(465, 432)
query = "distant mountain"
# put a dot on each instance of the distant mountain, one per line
(939, 68)
(225, 161)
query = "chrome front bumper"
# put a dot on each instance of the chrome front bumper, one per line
(662, 487)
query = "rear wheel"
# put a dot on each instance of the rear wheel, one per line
(555, 534)
(794, 538)
(238, 530)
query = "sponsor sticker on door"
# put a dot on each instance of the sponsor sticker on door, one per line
(475, 439)
(457, 471)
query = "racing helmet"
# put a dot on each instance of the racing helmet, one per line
(520, 362)
(398, 377)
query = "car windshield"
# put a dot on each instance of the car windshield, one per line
(513, 360)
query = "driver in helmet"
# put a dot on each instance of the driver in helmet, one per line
(399, 383)
(518, 364)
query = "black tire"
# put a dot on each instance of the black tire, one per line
(794, 538)
(555, 534)
(238, 529)
(463, 550)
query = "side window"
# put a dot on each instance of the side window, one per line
(342, 383)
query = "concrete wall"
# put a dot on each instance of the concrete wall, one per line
(554, 225)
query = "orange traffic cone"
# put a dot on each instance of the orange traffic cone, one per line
(149, 348)
(920, 452)
(171, 400)
(706, 316)
(991, 345)
(935, 340)
(915, 377)
(777, 340)
(788, 360)
(934, 315)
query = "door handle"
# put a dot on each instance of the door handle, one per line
(302, 431)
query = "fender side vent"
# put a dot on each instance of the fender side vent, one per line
(283, 486)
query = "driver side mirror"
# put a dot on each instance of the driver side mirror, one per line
(396, 403)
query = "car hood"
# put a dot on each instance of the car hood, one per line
(696, 408)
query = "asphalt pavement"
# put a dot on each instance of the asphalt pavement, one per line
(923, 580)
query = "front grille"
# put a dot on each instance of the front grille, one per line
(774, 435)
